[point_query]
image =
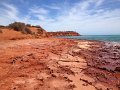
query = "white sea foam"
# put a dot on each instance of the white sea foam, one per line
(112, 44)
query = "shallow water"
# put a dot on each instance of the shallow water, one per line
(113, 38)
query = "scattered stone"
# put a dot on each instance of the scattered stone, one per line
(117, 69)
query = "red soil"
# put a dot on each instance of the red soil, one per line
(48, 64)
(8, 34)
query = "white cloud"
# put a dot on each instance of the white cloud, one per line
(84, 5)
(80, 17)
(38, 10)
(99, 2)
(52, 7)
(10, 11)
(40, 13)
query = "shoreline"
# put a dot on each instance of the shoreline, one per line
(106, 38)
(59, 63)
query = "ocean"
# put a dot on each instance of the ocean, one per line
(112, 38)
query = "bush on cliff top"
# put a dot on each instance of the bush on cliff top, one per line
(1, 26)
(29, 25)
(18, 26)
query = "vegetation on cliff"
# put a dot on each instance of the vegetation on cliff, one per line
(22, 30)
(18, 26)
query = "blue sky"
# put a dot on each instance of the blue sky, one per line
(88, 17)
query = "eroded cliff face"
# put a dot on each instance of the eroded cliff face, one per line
(63, 33)
(11, 34)
(38, 31)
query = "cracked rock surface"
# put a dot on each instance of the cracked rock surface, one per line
(59, 64)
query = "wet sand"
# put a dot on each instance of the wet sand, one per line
(59, 64)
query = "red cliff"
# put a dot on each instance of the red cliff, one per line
(63, 33)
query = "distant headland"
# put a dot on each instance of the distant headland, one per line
(19, 30)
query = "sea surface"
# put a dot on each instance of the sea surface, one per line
(112, 38)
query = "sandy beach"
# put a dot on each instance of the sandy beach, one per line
(59, 64)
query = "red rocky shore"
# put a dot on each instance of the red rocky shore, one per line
(59, 64)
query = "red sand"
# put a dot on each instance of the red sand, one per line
(13, 35)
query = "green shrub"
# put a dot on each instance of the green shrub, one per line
(1, 26)
(28, 25)
(18, 26)
(37, 26)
